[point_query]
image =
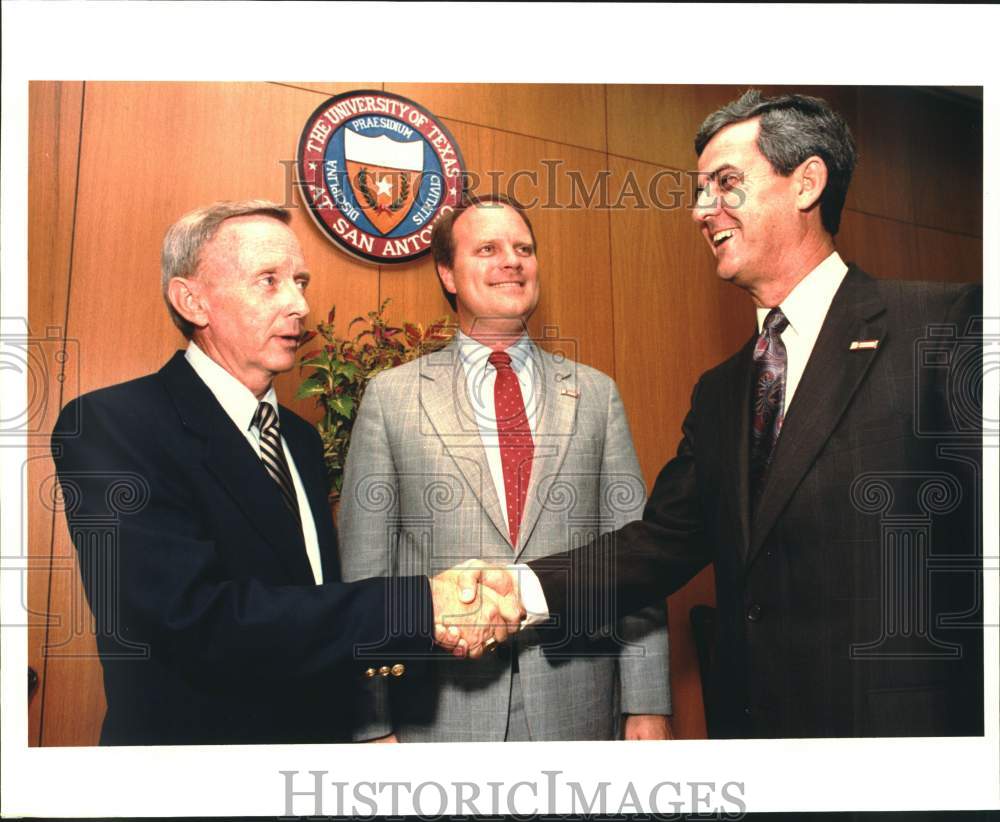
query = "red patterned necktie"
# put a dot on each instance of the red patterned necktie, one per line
(516, 446)
(767, 409)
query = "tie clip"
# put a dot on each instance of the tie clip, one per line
(863, 345)
(569, 392)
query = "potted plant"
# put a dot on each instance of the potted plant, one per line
(339, 371)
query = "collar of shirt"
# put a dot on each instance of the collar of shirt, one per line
(807, 304)
(480, 378)
(475, 356)
(236, 399)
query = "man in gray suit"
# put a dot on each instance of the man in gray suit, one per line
(496, 450)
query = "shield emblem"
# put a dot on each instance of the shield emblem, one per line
(384, 175)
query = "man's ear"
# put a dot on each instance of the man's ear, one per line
(185, 297)
(811, 177)
(447, 279)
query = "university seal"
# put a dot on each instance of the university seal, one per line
(376, 172)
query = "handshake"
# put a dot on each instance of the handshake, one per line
(476, 607)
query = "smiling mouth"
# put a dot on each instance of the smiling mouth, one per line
(721, 236)
(508, 284)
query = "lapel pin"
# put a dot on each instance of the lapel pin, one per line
(864, 345)
(569, 392)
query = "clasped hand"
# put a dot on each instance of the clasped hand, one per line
(473, 604)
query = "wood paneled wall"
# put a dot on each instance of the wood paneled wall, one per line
(630, 287)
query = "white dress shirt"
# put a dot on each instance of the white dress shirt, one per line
(240, 405)
(806, 308)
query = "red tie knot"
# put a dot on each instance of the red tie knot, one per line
(499, 360)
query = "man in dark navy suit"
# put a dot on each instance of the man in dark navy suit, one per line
(829, 471)
(223, 571)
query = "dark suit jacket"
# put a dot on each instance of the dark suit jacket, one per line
(849, 605)
(210, 626)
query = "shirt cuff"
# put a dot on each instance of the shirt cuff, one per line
(532, 596)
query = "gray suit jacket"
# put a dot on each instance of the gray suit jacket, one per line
(418, 497)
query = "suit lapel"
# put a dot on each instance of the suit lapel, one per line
(734, 442)
(230, 459)
(445, 402)
(831, 378)
(558, 398)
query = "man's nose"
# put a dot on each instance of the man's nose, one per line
(511, 259)
(297, 303)
(706, 204)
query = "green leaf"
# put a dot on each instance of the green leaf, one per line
(343, 405)
(321, 362)
(310, 388)
(345, 369)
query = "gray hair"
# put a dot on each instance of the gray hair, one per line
(794, 127)
(185, 239)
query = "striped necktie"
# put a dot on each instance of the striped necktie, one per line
(273, 455)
